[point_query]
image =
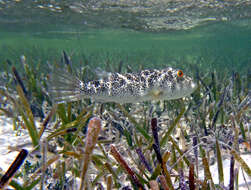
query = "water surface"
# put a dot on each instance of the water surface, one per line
(211, 34)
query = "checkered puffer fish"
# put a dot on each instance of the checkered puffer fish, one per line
(165, 84)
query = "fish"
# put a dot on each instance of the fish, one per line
(146, 85)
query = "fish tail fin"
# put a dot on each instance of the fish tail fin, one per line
(64, 87)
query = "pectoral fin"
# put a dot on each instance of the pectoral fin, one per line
(156, 94)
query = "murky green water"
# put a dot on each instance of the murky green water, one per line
(218, 44)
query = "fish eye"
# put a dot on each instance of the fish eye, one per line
(180, 73)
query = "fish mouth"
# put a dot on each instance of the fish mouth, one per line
(194, 86)
(189, 89)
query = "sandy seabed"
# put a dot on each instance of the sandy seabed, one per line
(9, 139)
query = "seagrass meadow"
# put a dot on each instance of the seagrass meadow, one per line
(198, 142)
(149, 145)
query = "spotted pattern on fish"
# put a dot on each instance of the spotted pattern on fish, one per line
(146, 85)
